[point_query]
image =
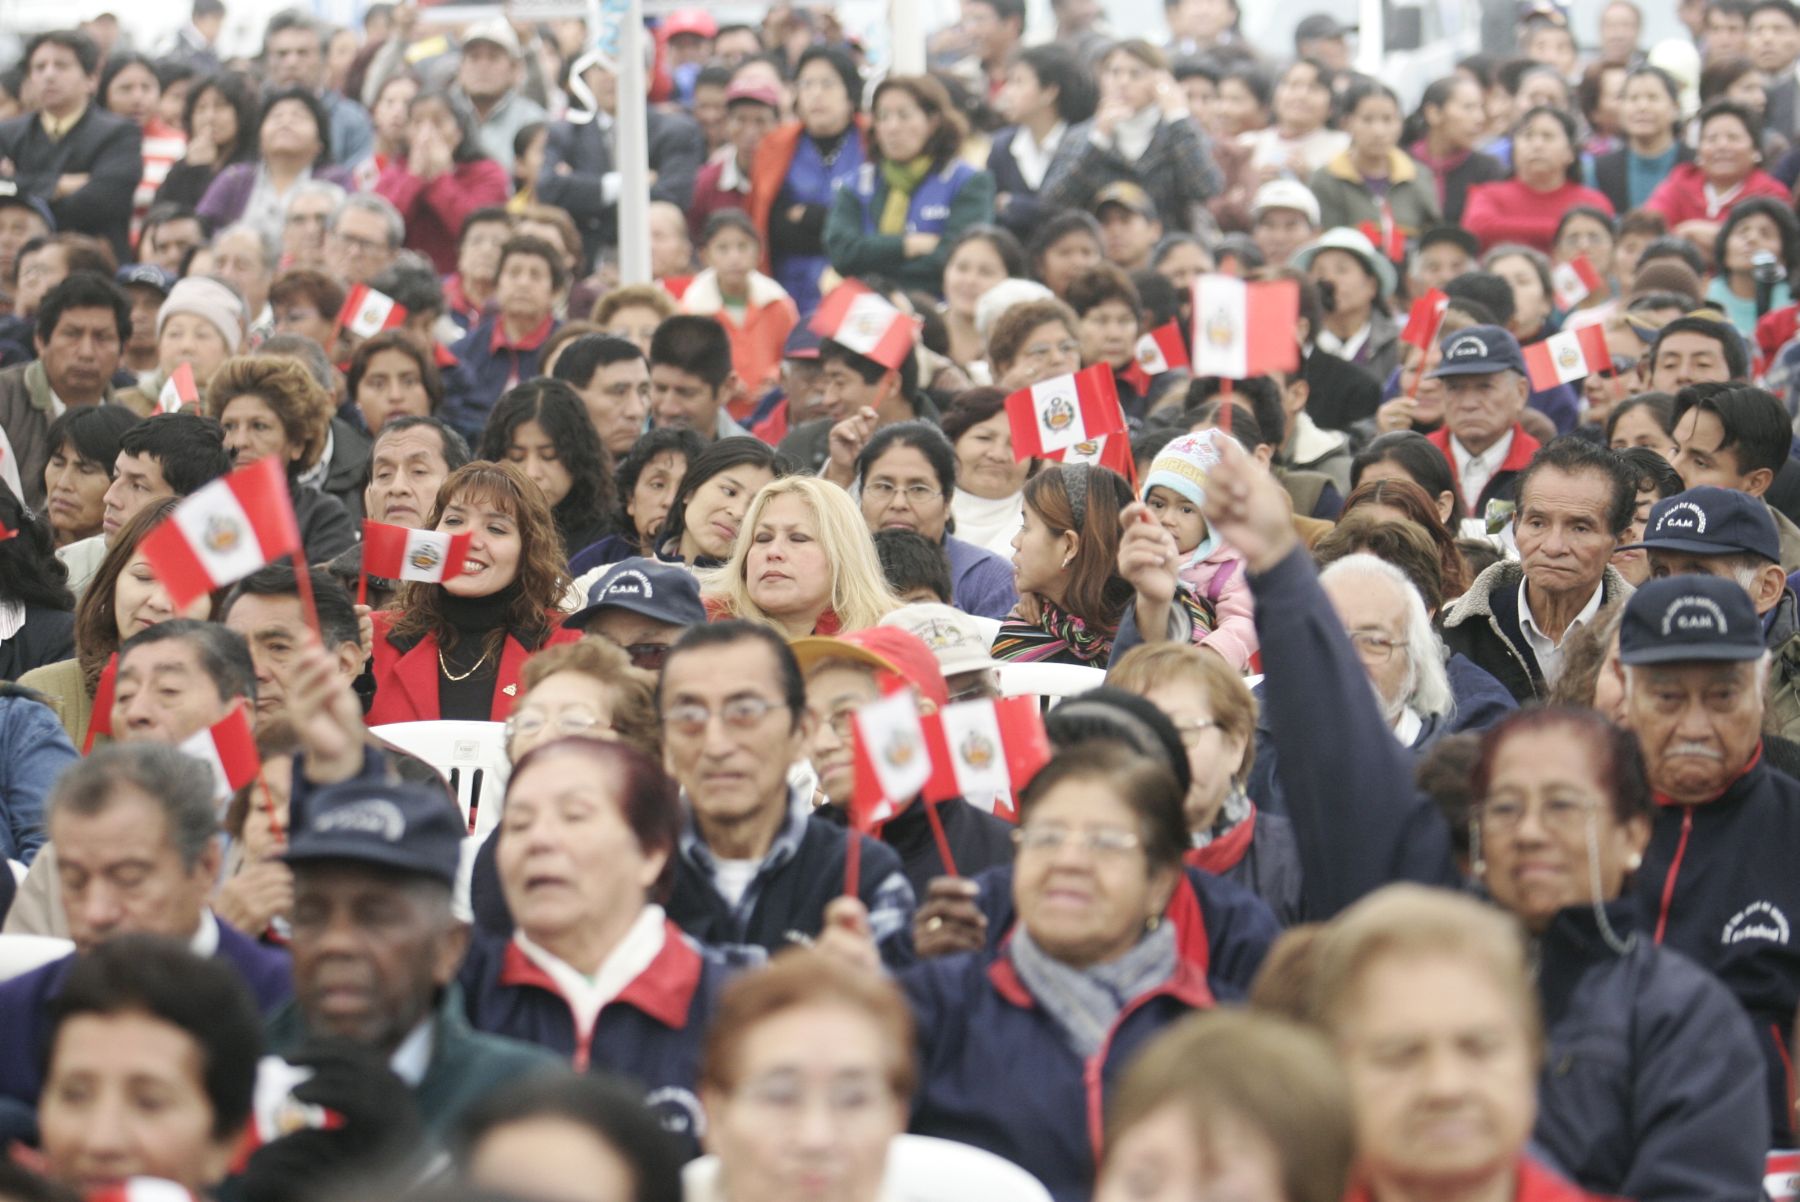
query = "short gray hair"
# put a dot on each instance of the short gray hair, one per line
(181, 784)
(368, 202)
(271, 249)
(318, 187)
(1427, 683)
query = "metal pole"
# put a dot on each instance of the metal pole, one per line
(631, 143)
(906, 36)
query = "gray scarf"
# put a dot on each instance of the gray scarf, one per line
(1086, 1002)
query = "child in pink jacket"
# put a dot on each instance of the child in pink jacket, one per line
(1175, 490)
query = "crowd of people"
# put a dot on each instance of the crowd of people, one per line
(1423, 780)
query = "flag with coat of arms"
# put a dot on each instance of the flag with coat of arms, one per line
(179, 390)
(1570, 355)
(1054, 415)
(228, 747)
(1243, 328)
(224, 532)
(367, 312)
(856, 317)
(400, 553)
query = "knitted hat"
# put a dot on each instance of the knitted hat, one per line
(1184, 464)
(210, 299)
(1667, 275)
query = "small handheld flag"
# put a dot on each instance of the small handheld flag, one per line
(1424, 319)
(367, 312)
(1065, 412)
(224, 532)
(863, 320)
(1245, 329)
(179, 391)
(398, 553)
(1574, 281)
(1570, 355)
(1162, 349)
(228, 747)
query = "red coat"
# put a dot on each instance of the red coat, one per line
(1507, 211)
(406, 683)
(1682, 195)
(435, 211)
(1518, 457)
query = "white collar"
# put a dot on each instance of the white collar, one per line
(1717, 200)
(1407, 726)
(413, 1056)
(587, 995)
(1491, 458)
(1547, 648)
(316, 474)
(731, 176)
(1343, 348)
(12, 618)
(205, 942)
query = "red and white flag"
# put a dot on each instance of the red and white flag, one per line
(1568, 356)
(1244, 329)
(397, 553)
(275, 1112)
(987, 748)
(892, 762)
(1425, 319)
(7, 532)
(179, 390)
(863, 320)
(229, 748)
(1574, 281)
(143, 1189)
(367, 312)
(1162, 349)
(1385, 236)
(224, 532)
(1065, 412)
(1109, 451)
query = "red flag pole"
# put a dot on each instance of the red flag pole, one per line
(937, 833)
(362, 587)
(303, 582)
(853, 861)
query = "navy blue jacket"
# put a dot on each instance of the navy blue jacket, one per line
(1264, 859)
(998, 1072)
(1022, 212)
(650, 1034)
(977, 839)
(485, 369)
(1652, 1081)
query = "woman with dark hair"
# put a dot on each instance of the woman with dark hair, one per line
(1600, 93)
(1656, 480)
(1374, 183)
(702, 526)
(1064, 247)
(1755, 227)
(84, 452)
(442, 179)
(978, 258)
(1047, 91)
(393, 374)
(455, 649)
(1527, 272)
(906, 477)
(1645, 420)
(293, 145)
(1586, 233)
(37, 621)
(801, 166)
(1545, 183)
(1300, 140)
(648, 479)
(130, 87)
(1409, 455)
(1650, 119)
(1446, 132)
(1109, 316)
(542, 428)
(905, 205)
(1066, 565)
(1727, 170)
(219, 115)
(390, 117)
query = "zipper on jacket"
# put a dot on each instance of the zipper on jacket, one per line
(1668, 890)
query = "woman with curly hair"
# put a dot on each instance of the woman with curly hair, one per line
(542, 428)
(270, 405)
(456, 649)
(803, 562)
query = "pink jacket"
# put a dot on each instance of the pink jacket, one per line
(1220, 579)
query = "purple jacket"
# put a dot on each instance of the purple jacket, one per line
(229, 193)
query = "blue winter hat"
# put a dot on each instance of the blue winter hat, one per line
(1184, 464)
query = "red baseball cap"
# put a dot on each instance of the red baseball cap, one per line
(901, 655)
(692, 21)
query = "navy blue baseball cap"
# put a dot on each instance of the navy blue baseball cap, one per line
(147, 274)
(1680, 619)
(12, 195)
(403, 826)
(1479, 351)
(661, 592)
(1712, 521)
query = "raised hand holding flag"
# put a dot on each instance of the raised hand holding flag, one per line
(1424, 319)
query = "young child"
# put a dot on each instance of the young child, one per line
(1175, 490)
(755, 310)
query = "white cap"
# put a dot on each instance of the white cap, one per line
(497, 30)
(1286, 194)
(1003, 296)
(954, 637)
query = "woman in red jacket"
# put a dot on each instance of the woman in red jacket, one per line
(1546, 168)
(442, 179)
(1696, 197)
(454, 650)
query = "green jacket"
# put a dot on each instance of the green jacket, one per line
(1345, 199)
(855, 253)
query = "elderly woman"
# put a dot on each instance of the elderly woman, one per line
(542, 427)
(441, 180)
(803, 563)
(1034, 341)
(1355, 284)
(293, 142)
(455, 649)
(1213, 711)
(585, 850)
(988, 503)
(714, 493)
(586, 688)
(201, 324)
(1696, 197)
(1545, 183)
(1758, 225)
(270, 406)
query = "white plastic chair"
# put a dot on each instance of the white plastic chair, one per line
(989, 627)
(920, 1168)
(1048, 680)
(20, 954)
(471, 756)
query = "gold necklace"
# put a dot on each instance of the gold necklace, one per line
(453, 677)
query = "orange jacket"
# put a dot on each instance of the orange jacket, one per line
(768, 171)
(756, 346)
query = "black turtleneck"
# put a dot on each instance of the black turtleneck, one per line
(474, 619)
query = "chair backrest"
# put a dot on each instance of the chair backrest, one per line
(988, 626)
(1049, 680)
(471, 756)
(20, 954)
(920, 1168)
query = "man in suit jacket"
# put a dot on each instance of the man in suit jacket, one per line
(581, 174)
(79, 158)
(1774, 40)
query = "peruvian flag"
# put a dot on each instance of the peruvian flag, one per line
(367, 312)
(892, 760)
(275, 1111)
(1567, 356)
(1065, 412)
(1386, 237)
(1162, 349)
(986, 748)
(224, 532)
(1108, 451)
(1244, 329)
(864, 321)
(1424, 319)
(229, 748)
(143, 1189)
(101, 722)
(397, 553)
(1574, 281)
(179, 390)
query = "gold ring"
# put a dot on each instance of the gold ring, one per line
(934, 922)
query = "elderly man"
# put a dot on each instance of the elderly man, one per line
(376, 945)
(1483, 373)
(309, 210)
(756, 865)
(178, 678)
(362, 237)
(642, 606)
(246, 258)
(294, 50)
(1386, 620)
(1718, 881)
(1575, 501)
(136, 830)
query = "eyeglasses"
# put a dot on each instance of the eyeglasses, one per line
(1192, 732)
(1103, 842)
(1624, 363)
(841, 722)
(1563, 815)
(568, 722)
(648, 656)
(1374, 648)
(916, 494)
(1068, 348)
(739, 713)
(362, 246)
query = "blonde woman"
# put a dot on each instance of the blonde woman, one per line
(803, 563)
